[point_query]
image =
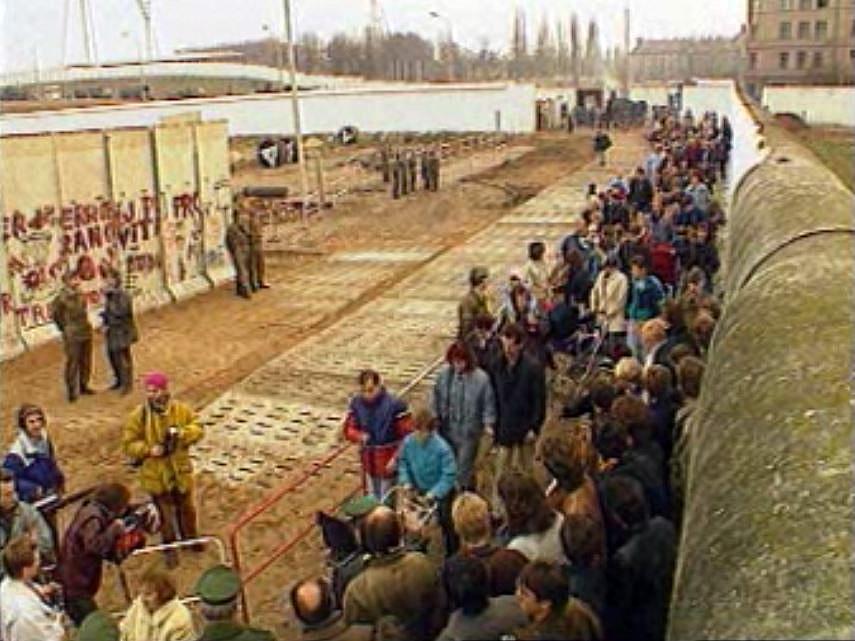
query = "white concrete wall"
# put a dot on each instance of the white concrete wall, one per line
(721, 96)
(470, 107)
(815, 105)
(653, 94)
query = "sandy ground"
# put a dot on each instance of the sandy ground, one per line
(208, 343)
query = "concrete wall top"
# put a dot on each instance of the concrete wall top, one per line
(767, 544)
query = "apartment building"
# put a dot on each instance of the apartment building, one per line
(680, 59)
(803, 42)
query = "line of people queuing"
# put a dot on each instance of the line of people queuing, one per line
(559, 527)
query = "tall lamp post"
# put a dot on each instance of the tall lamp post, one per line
(438, 16)
(295, 107)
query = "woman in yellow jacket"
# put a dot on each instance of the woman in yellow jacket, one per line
(157, 614)
(157, 437)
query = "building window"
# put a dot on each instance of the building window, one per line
(783, 60)
(804, 30)
(801, 59)
(805, 5)
(821, 4)
(786, 5)
(752, 61)
(821, 30)
(785, 31)
(817, 59)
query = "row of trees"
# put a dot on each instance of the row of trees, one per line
(557, 52)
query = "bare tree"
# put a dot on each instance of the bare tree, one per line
(575, 50)
(593, 54)
(562, 53)
(519, 45)
(544, 56)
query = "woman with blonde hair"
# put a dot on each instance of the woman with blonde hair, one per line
(157, 614)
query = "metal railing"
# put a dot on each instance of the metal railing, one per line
(249, 575)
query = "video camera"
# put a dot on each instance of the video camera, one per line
(139, 521)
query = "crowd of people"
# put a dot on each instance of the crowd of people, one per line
(532, 525)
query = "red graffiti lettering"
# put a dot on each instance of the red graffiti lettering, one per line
(66, 218)
(94, 237)
(19, 225)
(6, 304)
(80, 242)
(39, 315)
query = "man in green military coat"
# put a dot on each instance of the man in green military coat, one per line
(218, 589)
(68, 311)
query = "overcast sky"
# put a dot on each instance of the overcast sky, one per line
(33, 29)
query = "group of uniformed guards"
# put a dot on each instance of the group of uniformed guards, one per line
(244, 240)
(402, 169)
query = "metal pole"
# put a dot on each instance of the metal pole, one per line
(295, 105)
(322, 188)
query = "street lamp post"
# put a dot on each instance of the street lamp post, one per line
(438, 16)
(295, 107)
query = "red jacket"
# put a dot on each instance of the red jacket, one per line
(89, 540)
(386, 420)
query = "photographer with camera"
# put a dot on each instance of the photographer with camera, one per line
(91, 539)
(157, 438)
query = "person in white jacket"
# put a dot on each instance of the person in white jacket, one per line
(25, 614)
(608, 302)
(157, 614)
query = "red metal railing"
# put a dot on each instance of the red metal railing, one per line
(234, 530)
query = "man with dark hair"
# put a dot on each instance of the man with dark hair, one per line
(121, 332)
(395, 582)
(313, 603)
(18, 518)
(68, 311)
(378, 421)
(476, 616)
(645, 301)
(582, 542)
(520, 382)
(89, 541)
(641, 572)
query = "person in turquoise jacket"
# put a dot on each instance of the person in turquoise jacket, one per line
(427, 466)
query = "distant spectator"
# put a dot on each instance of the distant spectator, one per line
(471, 516)
(476, 616)
(628, 376)
(378, 421)
(534, 528)
(646, 297)
(24, 611)
(641, 572)
(121, 332)
(18, 519)
(474, 303)
(32, 458)
(394, 582)
(314, 606)
(663, 403)
(157, 614)
(543, 594)
(584, 546)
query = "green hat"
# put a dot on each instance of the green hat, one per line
(98, 627)
(218, 585)
(360, 506)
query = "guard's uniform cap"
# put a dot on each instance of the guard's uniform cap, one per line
(98, 627)
(218, 585)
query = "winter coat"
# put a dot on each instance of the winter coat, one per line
(646, 297)
(231, 631)
(588, 584)
(401, 584)
(37, 473)
(542, 546)
(24, 616)
(118, 317)
(536, 279)
(608, 298)
(238, 241)
(520, 398)
(504, 566)
(336, 629)
(145, 429)
(463, 416)
(640, 575)
(24, 519)
(387, 421)
(171, 622)
(68, 311)
(470, 308)
(502, 616)
(427, 466)
(89, 540)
